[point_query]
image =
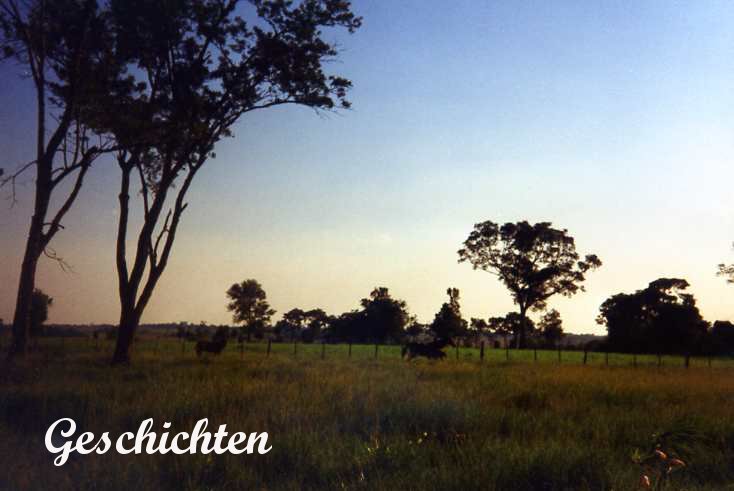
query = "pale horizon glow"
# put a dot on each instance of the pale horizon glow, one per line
(612, 121)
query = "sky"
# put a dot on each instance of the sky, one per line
(614, 120)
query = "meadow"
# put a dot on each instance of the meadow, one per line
(360, 422)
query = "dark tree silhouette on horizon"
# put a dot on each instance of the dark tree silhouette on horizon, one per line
(551, 328)
(249, 306)
(661, 318)
(510, 325)
(64, 46)
(382, 318)
(534, 262)
(448, 322)
(204, 67)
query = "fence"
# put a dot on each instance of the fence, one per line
(161, 346)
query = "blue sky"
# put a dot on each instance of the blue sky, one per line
(614, 121)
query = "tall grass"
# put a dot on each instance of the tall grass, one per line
(361, 423)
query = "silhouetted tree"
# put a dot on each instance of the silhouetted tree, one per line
(249, 306)
(551, 328)
(534, 262)
(385, 318)
(448, 322)
(381, 319)
(204, 68)
(300, 324)
(62, 48)
(478, 328)
(416, 328)
(659, 319)
(39, 311)
(349, 326)
(291, 325)
(722, 338)
(511, 324)
(316, 321)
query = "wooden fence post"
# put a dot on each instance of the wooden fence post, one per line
(270, 342)
(350, 349)
(559, 354)
(183, 345)
(688, 360)
(481, 352)
(606, 358)
(507, 352)
(295, 348)
(323, 350)
(376, 347)
(709, 361)
(535, 354)
(634, 360)
(457, 352)
(586, 354)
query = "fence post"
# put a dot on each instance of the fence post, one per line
(457, 352)
(660, 360)
(270, 342)
(606, 358)
(295, 348)
(586, 354)
(183, 345)
(559, 354)
(709, 361)
(634, 360)
(350, 349)
(535, 354)
(323, 350)
(688, 360)
(481, 352)
(242, 351)
(507, 352)
(376, 347)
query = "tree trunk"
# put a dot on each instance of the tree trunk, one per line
(521, 338)
(33, 250)
(22, 318)
(125, 336)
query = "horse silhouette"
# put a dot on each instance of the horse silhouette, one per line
(216, 345)
(432, 350)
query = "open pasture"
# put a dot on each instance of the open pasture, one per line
(361, 423)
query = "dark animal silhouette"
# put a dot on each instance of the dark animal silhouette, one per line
(432, 350)
(216, 345)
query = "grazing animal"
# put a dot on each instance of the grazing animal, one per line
(216, 345)
(432, 350)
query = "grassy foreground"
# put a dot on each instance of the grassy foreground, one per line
(341, 423)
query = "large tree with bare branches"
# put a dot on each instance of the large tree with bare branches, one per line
(204, 67)
(64, 46)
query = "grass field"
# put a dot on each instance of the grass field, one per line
(361, 423)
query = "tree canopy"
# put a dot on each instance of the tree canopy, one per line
(551, 328)
(39, 310)
(448, 322)
(534, 262)
(661, 318)
(201, 67)
(249, 306)
(382, 318)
